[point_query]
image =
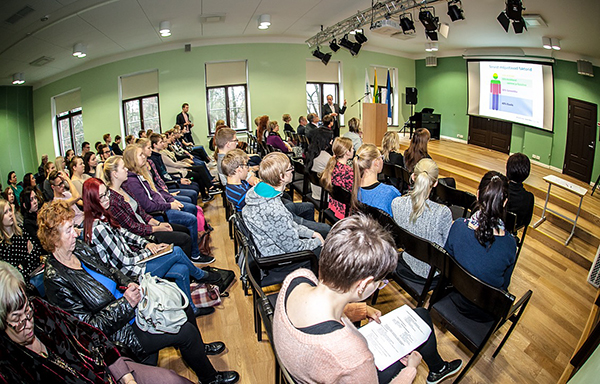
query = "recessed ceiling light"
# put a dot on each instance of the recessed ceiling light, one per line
(79, 50)
(18, 78)
(165, 28)
(264, 21)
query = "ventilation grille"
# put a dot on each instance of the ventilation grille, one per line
(594, 275)
(41, 61)
(26, 10)
(431, 61)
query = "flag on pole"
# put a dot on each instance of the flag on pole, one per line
(375, 91)
(388, 99)
(368, 95)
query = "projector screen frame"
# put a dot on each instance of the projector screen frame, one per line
(548, 62)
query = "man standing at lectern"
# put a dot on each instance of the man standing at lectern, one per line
(333, 110)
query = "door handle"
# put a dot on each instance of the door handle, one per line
(591, 145)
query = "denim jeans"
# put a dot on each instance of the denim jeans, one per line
(189, 208)
(190, 222)
(183, 199)
(178, 267)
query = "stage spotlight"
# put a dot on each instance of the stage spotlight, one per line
(428, 19)
(514, 9)
(360, 38)
(324, 57)
(350, 46)
(519, 25)
(333, 45)
(432, 35)
(455, 10)
(504, 20)
(406, 23)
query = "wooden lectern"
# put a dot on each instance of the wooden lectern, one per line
(374, 123)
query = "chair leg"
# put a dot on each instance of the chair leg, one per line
(463, 372)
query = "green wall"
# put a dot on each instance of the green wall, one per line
(445, 88)
(17, 143)
(276, 85)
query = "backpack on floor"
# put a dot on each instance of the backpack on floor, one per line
(227, 277)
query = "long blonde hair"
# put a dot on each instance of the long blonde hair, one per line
(129, 157)
(15, 227)
(341, 146)
(390, 143)
(425, 175)
(110, 165)
(366, 154)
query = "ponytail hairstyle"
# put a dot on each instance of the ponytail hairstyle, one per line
(425, 176)
(341, 146)
(417, 149)
(493, 192)
(110, 166)
(390, 143)
(366, 154)
(92, 208)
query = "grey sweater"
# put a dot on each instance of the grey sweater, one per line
(272, 225)
(433, 225)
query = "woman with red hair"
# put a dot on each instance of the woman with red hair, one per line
(123, 250)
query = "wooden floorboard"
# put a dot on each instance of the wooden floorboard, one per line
(537, 352)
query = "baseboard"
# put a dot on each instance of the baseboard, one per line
(539, 163)
(454, 139)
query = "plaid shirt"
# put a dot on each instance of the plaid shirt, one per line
(114, 247)
(122, 212)
(159, 183)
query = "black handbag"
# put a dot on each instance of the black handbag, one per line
(227, 278)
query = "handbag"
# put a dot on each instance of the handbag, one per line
(162, 307)
(204, 243)
(205, 295)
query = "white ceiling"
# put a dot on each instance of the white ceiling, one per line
(113, 29)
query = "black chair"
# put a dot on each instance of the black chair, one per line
(403, 175)
(271, 149)
(311, 177)
(343, 196)
(474, 335)
(461, 203)
(389, 174)
(297, 183)
(510, 223)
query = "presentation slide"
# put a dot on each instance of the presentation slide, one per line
(512, 91)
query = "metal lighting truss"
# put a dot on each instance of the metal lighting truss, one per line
(378, 11)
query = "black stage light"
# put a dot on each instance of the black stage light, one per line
(514, 9)
(349, 45)
(324, 57)
(428, 19)
(455, 11)
(519, 25)
(432, 35)
(406, 22)
(360, 38)
(504, 20)
(333, 45)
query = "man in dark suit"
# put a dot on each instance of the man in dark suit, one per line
(302, 125)
(183, 120)
(311, 128)
(333, 110)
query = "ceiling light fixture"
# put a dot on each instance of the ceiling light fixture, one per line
(546, 43)
(165, 28)
(428, 19)
(360, 37)
(18, 78)
(264, 21)
(354, 48)
(431, 47)
(79, 50)
(513, 12)
(324, 57)
(455, 10)
(334, 46)
(406, 23)
(555, 44)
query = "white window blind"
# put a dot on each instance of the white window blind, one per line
(140, 84)
(225, 73)
(67, 101)
(316, 72)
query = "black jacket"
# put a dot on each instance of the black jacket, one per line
(78, 293)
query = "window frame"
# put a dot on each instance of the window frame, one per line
(67, 115)
(323, 96)
(141, 109)
(211, 124)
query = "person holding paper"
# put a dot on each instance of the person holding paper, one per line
(123, 250)
(312, 328)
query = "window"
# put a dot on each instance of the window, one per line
(70, 130)
(316, 96)
(227, 103)
(139, 96)
(141, 113)
(227, 94)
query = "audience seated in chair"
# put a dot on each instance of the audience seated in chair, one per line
(354, 133)
(313, 332)
(422, 217)
(368, 163)
(338, 172)
(481, 245)
(520, 201)
(274, 139)
(317, 156)
(226, 141)
(390, 148)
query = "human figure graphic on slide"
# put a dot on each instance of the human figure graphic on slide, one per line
(495, 90)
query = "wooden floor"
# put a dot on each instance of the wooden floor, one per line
(537, 352)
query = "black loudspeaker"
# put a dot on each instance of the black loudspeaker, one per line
(411, 95)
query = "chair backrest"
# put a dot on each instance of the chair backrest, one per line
(271, 148)
(404, 175)
(343, 196)
(510, 222)
(389, 171)
(385, 220)
(313, 178)
(451, 196)
(493, 300)
(419, 248)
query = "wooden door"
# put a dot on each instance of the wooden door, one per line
(490, 133)
(581, 140)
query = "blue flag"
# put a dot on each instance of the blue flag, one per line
(388, 99)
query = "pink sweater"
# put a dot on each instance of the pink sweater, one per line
(341, 356)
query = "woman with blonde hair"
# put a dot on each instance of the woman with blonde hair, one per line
(417, 149)
(287, 127)
(422, 217)
(338, 172)
(390, 147)
(354, 133)
(78, 176)
(367, 189)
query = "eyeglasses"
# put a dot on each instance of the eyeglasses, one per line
(59, 185)
(245, 166)
(105, 195)
(21, 324)
(290, 169)
(233, 141)
(382, 284)
(105, 152)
